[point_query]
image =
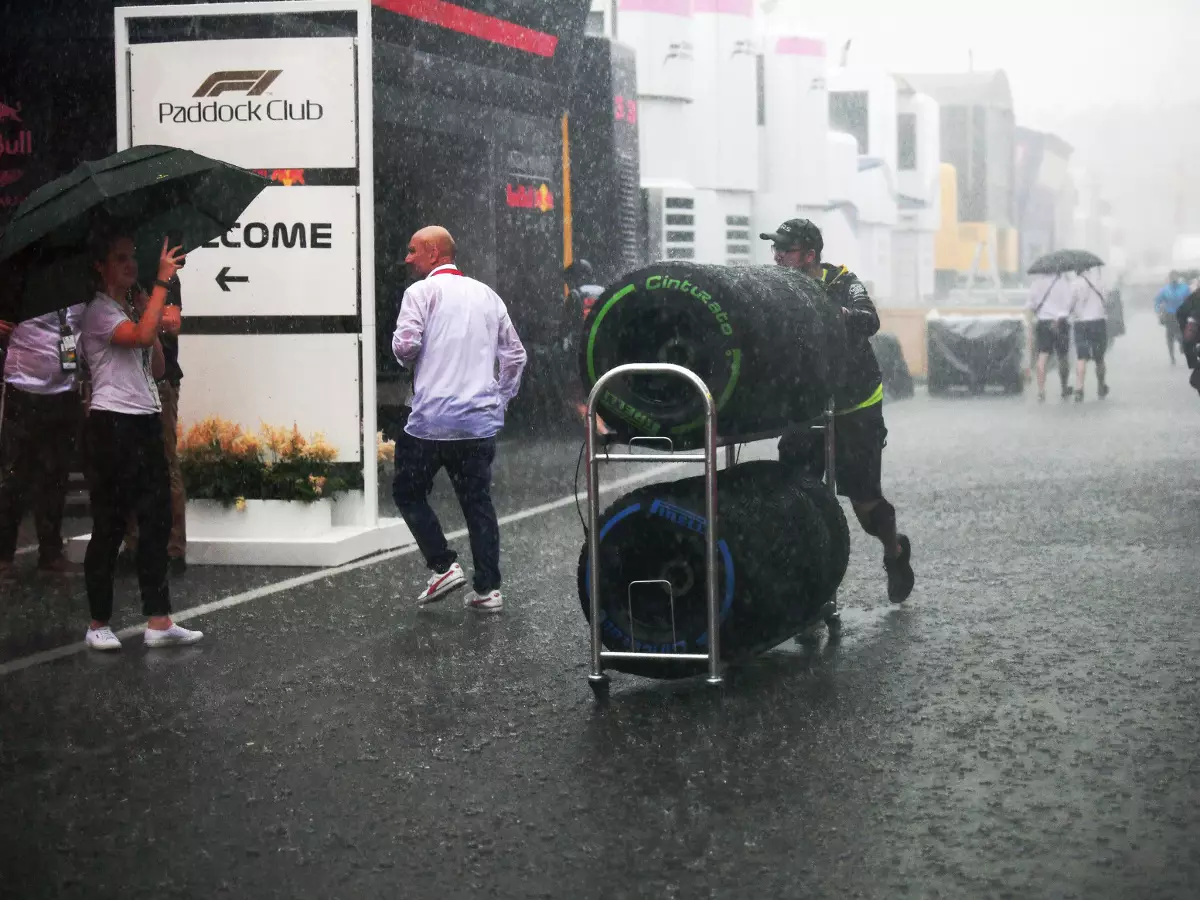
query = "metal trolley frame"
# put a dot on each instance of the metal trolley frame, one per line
(597, 678)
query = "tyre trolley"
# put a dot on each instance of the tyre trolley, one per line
(598, 679)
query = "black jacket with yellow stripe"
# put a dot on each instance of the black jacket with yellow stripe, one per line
(861, 377)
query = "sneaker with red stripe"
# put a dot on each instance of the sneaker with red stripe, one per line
(441, 584)
(491, 602)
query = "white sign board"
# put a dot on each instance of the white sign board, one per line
(307, 380)
(286, 103)
(293, 252)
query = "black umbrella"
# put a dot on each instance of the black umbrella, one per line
(1061, 261)
(150, 192)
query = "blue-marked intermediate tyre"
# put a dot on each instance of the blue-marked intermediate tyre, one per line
(776, 563)
(839, 536)
(765, 340)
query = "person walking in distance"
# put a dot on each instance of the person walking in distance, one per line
(859, 430)
(454, 333)
(127, 461)
(1188, 319)
(1050, 300)
(1091, 334)
(1166, 305)
(41, 415)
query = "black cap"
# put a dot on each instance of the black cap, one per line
(796, 233)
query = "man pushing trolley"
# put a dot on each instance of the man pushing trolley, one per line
(859, 430)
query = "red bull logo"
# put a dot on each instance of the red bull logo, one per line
(288, 177)
(523, 196)
(20, 144)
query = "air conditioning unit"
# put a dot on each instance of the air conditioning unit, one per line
(739, 246)
(672, 221)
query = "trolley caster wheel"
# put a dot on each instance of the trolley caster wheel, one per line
(834, 624)
(599, 686)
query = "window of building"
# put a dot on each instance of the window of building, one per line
(848, 113)
(760, 82)
(906, 126)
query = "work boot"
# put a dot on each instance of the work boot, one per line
(833, 624)
(899, 572)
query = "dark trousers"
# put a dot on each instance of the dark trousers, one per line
(469, 465)
(38, 437)
(1174, 333)
(168, 394)
(128, 474)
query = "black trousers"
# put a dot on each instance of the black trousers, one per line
(469, 465)
(1174, 332)
(128, 474)
(859, 439)
(38, 435)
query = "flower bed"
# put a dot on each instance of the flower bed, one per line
(223, 462)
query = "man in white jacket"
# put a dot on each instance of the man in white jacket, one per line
(453, 332)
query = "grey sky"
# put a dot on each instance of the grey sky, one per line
(1097, 73)
(1061, 55)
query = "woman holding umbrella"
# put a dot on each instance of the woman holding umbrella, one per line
(125, 443)
(47, 252)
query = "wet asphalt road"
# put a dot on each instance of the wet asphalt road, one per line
(1025, 726)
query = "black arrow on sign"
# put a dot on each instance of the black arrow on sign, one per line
(224, 279)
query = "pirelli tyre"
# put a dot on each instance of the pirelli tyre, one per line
(839, 535)
(766, 340)
(777, 564)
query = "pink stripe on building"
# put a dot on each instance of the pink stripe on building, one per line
(729, 7)
(800, 46)
(669, 7)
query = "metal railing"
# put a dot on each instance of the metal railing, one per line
(708, 459)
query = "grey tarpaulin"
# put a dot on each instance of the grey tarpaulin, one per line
(975, 351)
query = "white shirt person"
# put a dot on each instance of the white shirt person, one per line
(456, 335)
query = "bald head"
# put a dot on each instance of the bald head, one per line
(429, 248)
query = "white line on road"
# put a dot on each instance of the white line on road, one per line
(37, 659)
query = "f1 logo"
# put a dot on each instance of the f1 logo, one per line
(253, 81)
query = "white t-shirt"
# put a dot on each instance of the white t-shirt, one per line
(1051, 296)
(122, 378)
(1089, 299)
(33, 363)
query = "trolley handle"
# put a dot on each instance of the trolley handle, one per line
(597, 677)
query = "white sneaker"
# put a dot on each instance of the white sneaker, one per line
(103, 639)
(175, 636)
(491, 602)
(440, 584)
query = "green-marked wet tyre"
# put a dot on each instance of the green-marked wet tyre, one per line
(777, 564)
(765, 340)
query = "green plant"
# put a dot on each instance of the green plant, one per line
(222, 462)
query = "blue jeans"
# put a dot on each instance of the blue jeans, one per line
(469, 465)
